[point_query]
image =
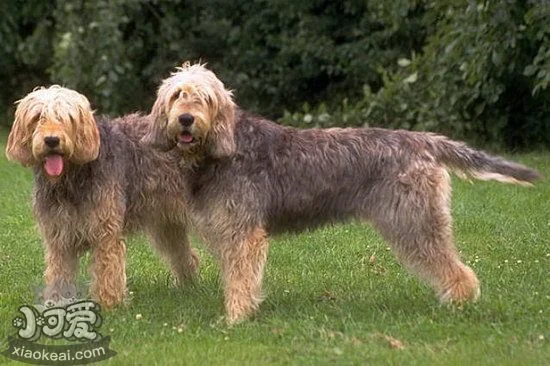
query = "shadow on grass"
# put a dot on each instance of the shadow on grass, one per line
(201, 302)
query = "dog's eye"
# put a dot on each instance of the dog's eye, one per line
(35, 120)
(179, 95)
(174, 97)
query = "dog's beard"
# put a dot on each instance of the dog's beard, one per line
(184, 138)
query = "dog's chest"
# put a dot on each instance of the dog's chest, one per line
(199, 178)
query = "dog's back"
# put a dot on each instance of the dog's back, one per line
(151, 179)
(304, 178)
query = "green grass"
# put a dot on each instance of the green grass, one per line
(326, 302)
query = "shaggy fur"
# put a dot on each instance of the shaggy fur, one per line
(94, 182)
(248, 177)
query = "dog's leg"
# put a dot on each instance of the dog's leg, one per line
(242, 266)
(108, 271)
(172, 242)
(417, 223)
(61, 267)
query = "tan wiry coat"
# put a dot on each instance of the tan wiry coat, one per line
(93, 183)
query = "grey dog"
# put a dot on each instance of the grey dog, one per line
(247, 178)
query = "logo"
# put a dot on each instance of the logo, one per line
(65, 321)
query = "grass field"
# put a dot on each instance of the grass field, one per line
(334, 296)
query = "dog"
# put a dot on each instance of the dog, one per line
(248, 178)
(93, 183)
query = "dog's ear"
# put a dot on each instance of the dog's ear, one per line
(221, 139)
(19, 146)
(87, 139)
(156, 135)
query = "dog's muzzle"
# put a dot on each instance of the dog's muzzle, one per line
(185, 136)
(52, 156)
(51, 141)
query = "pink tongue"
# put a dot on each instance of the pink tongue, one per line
(54, 165)
(186, 137)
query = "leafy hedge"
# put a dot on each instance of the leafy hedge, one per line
(464, 68)
(482, 75)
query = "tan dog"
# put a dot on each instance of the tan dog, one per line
(93, 184)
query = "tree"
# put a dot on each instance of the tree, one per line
(482, 75)
(475, 70)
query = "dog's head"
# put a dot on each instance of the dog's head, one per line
(195, 113)
(53, 126)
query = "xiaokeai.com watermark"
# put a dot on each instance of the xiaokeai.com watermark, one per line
(73, 322)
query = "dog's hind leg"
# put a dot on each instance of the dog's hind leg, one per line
(414, 216)
(171, 241)
(242, 265)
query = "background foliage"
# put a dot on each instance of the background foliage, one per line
(475, 70)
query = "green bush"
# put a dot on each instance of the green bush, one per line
(474, 70)
(276, 54)
(482, 75)
(26, 29)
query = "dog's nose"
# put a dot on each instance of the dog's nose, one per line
(186, 119)
(51, 141)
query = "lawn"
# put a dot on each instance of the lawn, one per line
(334, 296)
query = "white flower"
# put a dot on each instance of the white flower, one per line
(411, 78)
(403, 62)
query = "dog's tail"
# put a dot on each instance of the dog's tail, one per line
(469, 162)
